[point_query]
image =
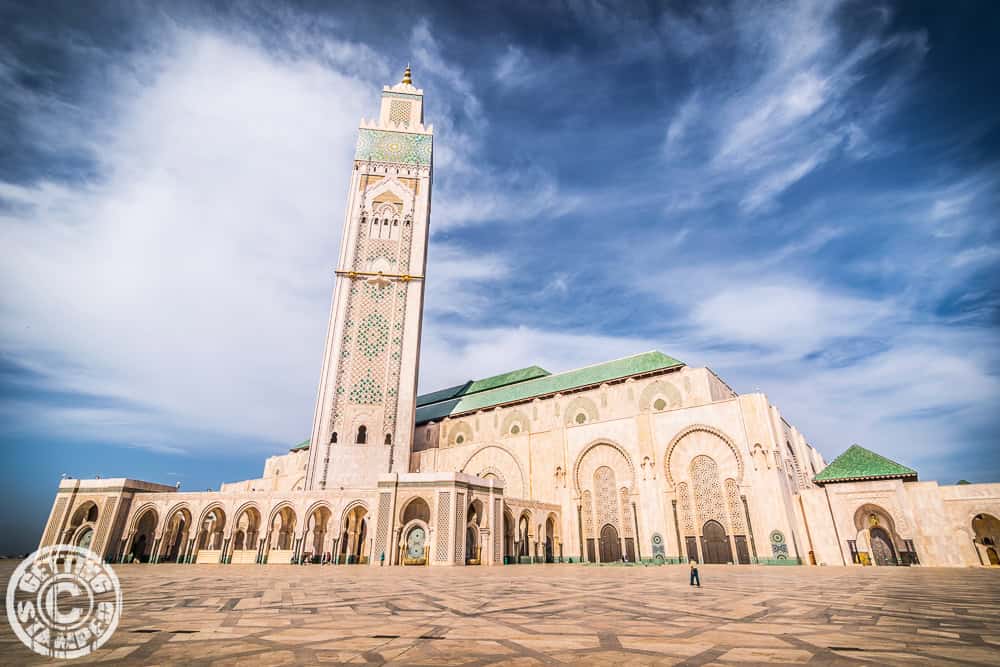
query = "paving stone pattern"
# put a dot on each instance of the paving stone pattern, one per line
(546, 614)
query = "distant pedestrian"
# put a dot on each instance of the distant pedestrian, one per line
(381, 560)
(695, 580)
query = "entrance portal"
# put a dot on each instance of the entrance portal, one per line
(715, 543)
(882, 549)
(611, 548)
(415, 546)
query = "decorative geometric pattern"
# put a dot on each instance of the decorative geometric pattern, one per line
(659, 548)
(580, 405)
(395, 147)
(399, 112)
(459, 526)
(661, 391)
(626, 513)
(496, 527)
(735, 507)
(57, 512)
(382, 530)
(684, 500)
(779, 548)
(103, 522)
(707, 490)
(442, 526)
(587, 509)
(562, 614)
(399, 317)
(606, 496)
(366, 391)
(373, 333)
(695, 429)
(392, 94)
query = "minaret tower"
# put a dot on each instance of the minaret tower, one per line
(363, 425)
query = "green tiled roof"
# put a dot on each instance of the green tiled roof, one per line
(299, 447)
(521, 390)
(475, 386)
(504, 379)
(858, 463)
(442, 394)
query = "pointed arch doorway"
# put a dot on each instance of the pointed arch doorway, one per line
(611, 548)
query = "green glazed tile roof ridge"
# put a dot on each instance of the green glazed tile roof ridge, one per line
(504, 379)
(580, 377)
(474, 386)
(442, 394)
(302, 445)
(859, 463)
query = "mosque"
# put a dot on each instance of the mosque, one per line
(641, 459)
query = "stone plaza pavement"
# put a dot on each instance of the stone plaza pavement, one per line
(546, 614)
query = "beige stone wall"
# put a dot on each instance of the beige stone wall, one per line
(92, 512)
(285, 472)
(537, 449)
(937, 519)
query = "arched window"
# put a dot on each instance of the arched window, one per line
(333, 438)
(362, 435)
(388, 438)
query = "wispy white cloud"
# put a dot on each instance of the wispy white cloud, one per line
(793, 318)
(513, 68)
(469, 191)
(799, 94)
(460, 279)
(976, 256)
(681, 123)
(179, 276)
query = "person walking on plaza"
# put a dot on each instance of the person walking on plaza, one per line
(695, 580)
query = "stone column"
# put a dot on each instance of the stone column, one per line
(128, 546)
(154, 549)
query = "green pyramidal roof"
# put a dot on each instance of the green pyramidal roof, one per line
(533, 381)
(858, 463)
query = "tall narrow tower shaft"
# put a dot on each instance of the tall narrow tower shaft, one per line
(363, 424)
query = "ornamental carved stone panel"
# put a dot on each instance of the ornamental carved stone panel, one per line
(606, 496)
(707, 490)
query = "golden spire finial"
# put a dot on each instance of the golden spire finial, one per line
(406, 75)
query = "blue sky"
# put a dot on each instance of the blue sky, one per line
(801, 196)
